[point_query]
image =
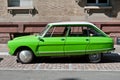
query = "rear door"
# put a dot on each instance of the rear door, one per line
(77, 40)
(98, 41)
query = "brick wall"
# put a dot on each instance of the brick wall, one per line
(4, 37)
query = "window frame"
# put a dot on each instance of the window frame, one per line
(88, 28)
(98, 4)
(22, 8)
(53, 32)
(19, 4)
(77, 31)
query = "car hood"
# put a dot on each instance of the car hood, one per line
(30, 37)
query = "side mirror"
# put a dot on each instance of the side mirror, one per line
(41, 39)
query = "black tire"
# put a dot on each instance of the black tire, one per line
(25, 56)
(94, 58)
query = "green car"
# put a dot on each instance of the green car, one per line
(63, 39)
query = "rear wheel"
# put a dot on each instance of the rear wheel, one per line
(94, 58)
(25, 56)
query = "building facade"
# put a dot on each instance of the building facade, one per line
(107, 11)
(59, 10)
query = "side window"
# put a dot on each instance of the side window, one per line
(94, 33)
(56, 32)
(83, 31)
(78, 31)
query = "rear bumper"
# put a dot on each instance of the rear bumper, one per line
(113, 49)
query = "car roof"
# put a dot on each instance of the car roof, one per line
(70, 23)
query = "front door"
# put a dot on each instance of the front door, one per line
(53, 42)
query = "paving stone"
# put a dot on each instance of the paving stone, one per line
(110, 62)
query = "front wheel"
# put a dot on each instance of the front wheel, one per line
(25, 56)
(94, 58)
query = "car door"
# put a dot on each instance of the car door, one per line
(76, 41)
(53, 42)
(99, 42)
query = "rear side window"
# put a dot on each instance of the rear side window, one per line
(83, 31)
(94, 33)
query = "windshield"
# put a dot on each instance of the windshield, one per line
(44, 31)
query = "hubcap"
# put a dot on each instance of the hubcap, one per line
(95, 57)
(25, 56)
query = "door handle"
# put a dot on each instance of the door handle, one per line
(87, 39)
(62, 39)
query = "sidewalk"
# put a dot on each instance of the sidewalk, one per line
(4, 49)
(117, 48)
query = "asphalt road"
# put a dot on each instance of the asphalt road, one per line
(57, 75)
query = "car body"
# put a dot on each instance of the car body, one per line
(63, 39)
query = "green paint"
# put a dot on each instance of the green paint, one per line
(63, 46)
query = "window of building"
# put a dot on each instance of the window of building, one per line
(13, 3)
(98, 2)
(20, 3)
(118, 40)
(18, 6)
(91, 1)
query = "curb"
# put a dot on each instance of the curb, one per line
(4, 53)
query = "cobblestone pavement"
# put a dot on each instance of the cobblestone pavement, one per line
(110, 62)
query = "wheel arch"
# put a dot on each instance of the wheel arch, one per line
(22, 48)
